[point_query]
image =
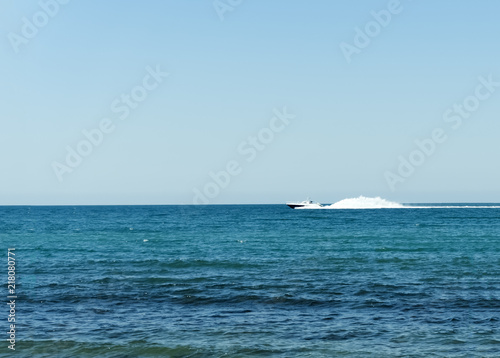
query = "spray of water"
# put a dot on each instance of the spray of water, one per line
(363, 202)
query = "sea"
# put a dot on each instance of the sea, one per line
(253, 281)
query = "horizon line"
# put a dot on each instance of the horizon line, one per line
(229, 204)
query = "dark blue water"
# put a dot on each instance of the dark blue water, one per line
(253, 281)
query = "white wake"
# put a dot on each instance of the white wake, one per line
(363, 202)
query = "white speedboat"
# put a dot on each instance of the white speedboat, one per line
(306, 204)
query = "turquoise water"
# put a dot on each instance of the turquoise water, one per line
(254, 281)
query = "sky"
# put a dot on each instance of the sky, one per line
(238, 102)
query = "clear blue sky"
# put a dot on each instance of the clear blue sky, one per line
(352, 120)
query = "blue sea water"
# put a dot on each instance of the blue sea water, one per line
(253, 281)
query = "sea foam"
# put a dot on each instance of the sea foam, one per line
(363, 202)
